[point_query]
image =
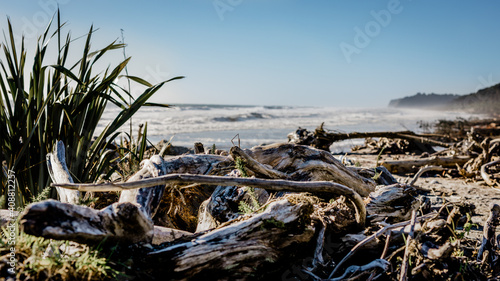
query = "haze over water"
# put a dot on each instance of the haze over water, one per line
(255, 125)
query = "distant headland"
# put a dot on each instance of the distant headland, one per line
(486, 101)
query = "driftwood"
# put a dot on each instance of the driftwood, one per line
(303, 163)
(409, 166)
(119, 222)
(59, 173)
(272, 185)
(128, 221)
(322, 139)
(391, 203)
(489, 243)
(484, 174)
(404, 267)
(239, 249)
(362, 240)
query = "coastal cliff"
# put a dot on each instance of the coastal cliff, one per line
(486, 100)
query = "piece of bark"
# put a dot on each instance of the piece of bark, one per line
(412, 166)
(238, 250)
(118, 223)
(59, 173)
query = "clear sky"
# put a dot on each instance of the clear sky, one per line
(277, 52)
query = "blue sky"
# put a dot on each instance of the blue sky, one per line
(321, 53)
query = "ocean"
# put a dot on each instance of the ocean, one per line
(221, 125)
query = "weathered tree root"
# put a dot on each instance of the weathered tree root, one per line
(272, 185)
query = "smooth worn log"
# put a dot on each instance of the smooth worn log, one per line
(409, 166)
(241, 249)
(119, 222)
(270, 185)
(59, 173)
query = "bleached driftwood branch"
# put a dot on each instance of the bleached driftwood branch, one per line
(272, 185)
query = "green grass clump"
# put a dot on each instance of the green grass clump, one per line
(34, 263)
(61, 100)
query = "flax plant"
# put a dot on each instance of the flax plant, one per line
(60, 101)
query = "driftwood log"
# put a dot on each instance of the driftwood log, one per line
(240, 249)
(303, 163)
(128, 221)
(412, 166)
(118, 223)
(322, 139)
